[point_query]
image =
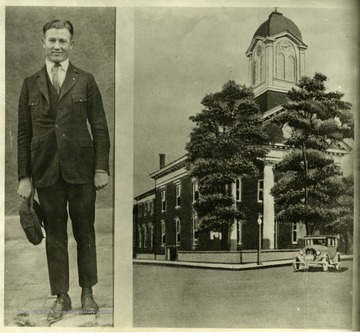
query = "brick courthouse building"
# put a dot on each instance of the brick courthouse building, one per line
(165, 223)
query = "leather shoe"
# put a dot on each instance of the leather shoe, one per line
(59, 307)
(88, 304)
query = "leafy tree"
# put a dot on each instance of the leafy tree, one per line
(309, 181)
(344, 221)
(226, 143)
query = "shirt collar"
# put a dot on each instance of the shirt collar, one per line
(64, 65)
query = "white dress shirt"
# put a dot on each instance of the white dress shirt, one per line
(62, 70)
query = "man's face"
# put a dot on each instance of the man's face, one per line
(57, 44)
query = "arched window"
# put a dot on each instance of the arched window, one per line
(259, 66)
(290, 73)
(280, 66)
(262, 69)
(255, 68)
(285, 61)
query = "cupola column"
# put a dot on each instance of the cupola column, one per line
(269, 52)
(250, 72)
(301, 62)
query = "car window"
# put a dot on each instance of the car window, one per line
(331, 242)
(320, 241)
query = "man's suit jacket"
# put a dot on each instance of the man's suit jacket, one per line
(50, 142)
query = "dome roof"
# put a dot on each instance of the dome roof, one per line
(277, 23)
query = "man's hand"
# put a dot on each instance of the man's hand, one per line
(101, 180)
(25, 188)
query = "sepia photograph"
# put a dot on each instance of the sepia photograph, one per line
(59, 131)
(243, 167)
(176, 166)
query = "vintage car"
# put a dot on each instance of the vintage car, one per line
(318, 251)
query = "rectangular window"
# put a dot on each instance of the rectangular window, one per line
(178, 227)
(239, 231)
(294, 233)
(195, 229)
(145, 236)
(151, 233)
(139, 238)
(163, 200)
(238, 189)
(140, 210)
(163, 232)
(331, 242)
(195, 191)
(145, 209)
(178, 195)
(215, 235)
(151, 207)
(260, 193)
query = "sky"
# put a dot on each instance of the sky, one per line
(181, 54)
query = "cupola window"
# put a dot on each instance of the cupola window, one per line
(285, 61)
(259, 66)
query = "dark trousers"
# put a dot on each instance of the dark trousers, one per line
(80, 199)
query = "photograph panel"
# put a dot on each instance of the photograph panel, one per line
(211, 232)
(59, 134)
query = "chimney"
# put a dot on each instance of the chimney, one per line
(162, 160)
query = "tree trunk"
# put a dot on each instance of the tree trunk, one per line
(306, 196)
(226, 237)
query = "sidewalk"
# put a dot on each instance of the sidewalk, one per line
(27, 295)
(248, 266)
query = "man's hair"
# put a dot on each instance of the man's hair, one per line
(59, 24)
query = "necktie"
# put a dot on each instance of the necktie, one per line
(55, 77)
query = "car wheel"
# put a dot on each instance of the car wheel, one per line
(296, 266)
(325, 266)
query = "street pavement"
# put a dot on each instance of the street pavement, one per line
(27, 297)
(248, 298)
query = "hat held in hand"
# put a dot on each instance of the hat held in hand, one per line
(31, 219)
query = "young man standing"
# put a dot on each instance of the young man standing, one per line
(64, 161)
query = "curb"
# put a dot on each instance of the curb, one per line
(229, 267)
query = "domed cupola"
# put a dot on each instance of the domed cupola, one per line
(276, 59)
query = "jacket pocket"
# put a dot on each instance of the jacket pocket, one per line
(79, 104)
(86, 157)
(39, 108)
(34, 101)
(34, 107)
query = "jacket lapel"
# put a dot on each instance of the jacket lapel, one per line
(41, 81)
(71, 78)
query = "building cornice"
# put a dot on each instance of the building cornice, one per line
(171, 167)
(272, 39)
(145, 195)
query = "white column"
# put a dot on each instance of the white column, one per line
(301, 62)
(269, 209)
(269, 59)
(250, 71)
